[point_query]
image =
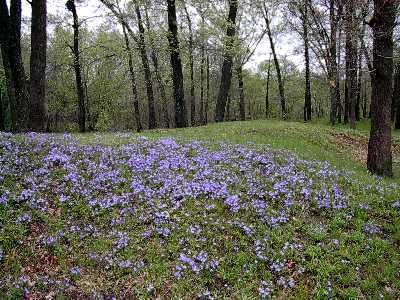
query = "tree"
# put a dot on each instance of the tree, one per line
(396, 96)
(267, 89)
(307, 88)
(38, 106)
(379, 146)
(77, 68)
(226, 71)
(276, 61)
(191, 66)
(176, 67)
(10, 39)
(133, 81)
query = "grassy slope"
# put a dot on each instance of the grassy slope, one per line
(309, 141)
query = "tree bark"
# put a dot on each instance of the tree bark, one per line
(380, 144)
(333, 67)
(133, 82)
(208, 90)
(267, 90)
(242, 108)
(277, 67)
(2, 114)
(191, 65)
(146, 69)
(226, 72)
(77, 67)
(396, 96)
(154, 59)
(176, 66)
(307, 90)
(38, 105)
(202, 66)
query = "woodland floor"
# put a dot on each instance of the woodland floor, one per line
(254, 209)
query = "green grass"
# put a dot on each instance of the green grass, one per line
(307, 140)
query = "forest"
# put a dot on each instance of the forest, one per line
(199, 149)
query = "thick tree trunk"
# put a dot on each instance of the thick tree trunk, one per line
(146, 69)
(2, 114)
(133, 82)
(157, 71)
(191, 64)
(307, 90)
(77, 67)
(396, 96)
(226, 72)
(242, 109)
(277, 67)
(38, 106)
(351, 62)
(380, 143)
(333, 67)
(267, 90)
(176, 66)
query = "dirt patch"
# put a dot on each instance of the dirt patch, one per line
(357, 146)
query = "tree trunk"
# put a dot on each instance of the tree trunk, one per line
(176, 66)
(191, 64)
(380, 144)
(146, 69)
(133, 82)
(333, 67)
(208, 90)
(351, 63)
(202, 66)
(154, 59)
(277, 67)
(307, 90)
(2, 114)
(396, 96)
(267, 90)
(38, 106)
(226, 72)
(77, 67)
(364, 98)
(242, 109)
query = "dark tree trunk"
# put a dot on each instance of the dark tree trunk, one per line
(202, 66)
(154, 59)
(396, 96)
(226, 72)
(351, 62)
(146, 69)
(242, 109)
(333, 67)
(339, 108)
(380, 144)
(267, 90)
(277, 67)
(77, 67)
(307, 90)
(14, 68)
(38, 106)
(208, 90)
(191, 64)
(176, 66)
(228, 108)
(133, 82)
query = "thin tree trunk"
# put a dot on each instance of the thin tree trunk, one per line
(176, 66)
(77, 67)
(380, 143)
(267, 90)
(2, 114)
(228, 108)
(307, 90)
(133, 82)
(154, 59)
(191, 64)
(396, 96)
(277, 67)
(364, 98)
(38, 106)
(226, 72)
(351, 61)
(208, 90)
(146, 69)
(202, 66)
(242, 109)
